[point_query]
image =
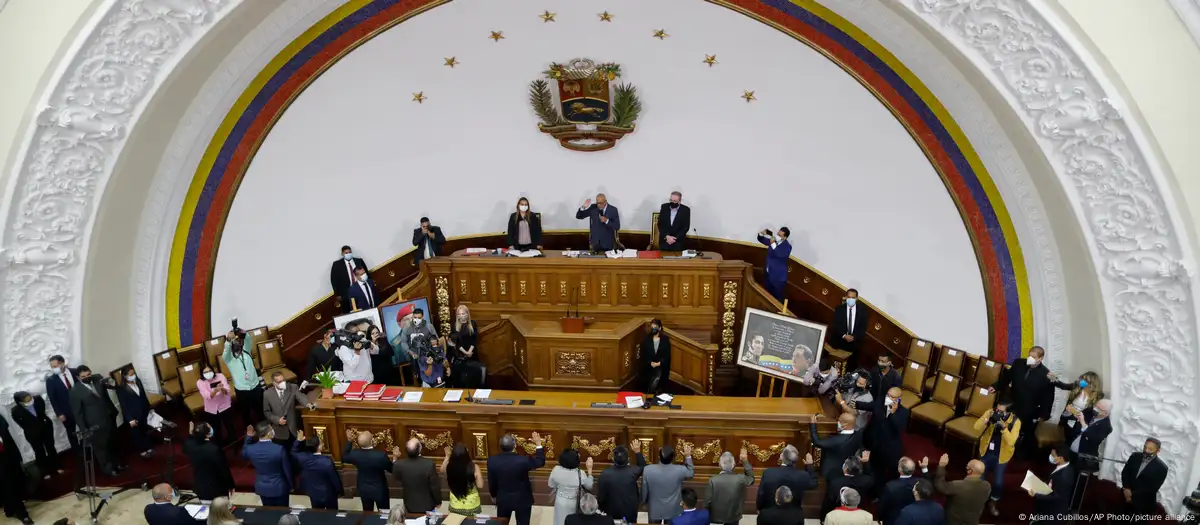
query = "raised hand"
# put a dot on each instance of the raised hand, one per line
(944, 460)
(743, 455)
(536, 438)
(866, 456)
(636, 446)
(808, 459)
(587, 202)
(300, 435)
(814, 418)
(589, 464)
(924, 462)
(396, 451)
(349, 435)
(191, 426)
(249, 430)
(687, 451)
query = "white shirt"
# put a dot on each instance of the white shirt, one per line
(428, 254)
(367, 292)
(133, 386)
(674, 212)
(355, 367)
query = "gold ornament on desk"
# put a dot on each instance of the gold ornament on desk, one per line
(589, 113)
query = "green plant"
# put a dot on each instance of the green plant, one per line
(626, 106)
(326, 378)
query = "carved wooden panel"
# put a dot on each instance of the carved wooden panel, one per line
(383, 437)
(704, 449)
(597, 448)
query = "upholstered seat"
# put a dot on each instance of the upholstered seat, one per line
(940, 407)
(166, 363)
(270, 359)
(964, 428)
(979, 401)
(934, 413)
(1048, 434)
(189, 375)
(288, 375)
(950, 361)
(909, 399)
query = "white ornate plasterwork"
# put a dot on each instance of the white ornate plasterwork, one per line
(1132, 229)
(95, 98)
(1189, 12)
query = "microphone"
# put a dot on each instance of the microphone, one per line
(696, 234)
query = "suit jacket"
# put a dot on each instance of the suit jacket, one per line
(662, 356)
(727, 491)
(603, 236)
(318, 477)
(834, 450)
(1058, 501)
(276, 406)
(168, 514)
(777, 259)
(508, 477)
(320, 357)
(617, 490)
(897, 494)
(36, 426)
(880, 383)
(887, 432)
(579, 518)
(922, 513)
(135, 406)
(791, 514)
(272, 468)
(372, 465)
(698, 516)
(435, 244)
(678, 229)
(355, 291)
(514, 229)
(211, 475)
(1030, 389)
(965, 498)
(60, 398)
(799, 480)
(10, 460)
(92, 407)
(1090, 437)
(1145, 486)
(841, 327)
(863, 483)
(661, 486)
(421, 483)
(340, 278)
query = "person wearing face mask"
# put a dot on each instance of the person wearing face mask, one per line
(272, 467)
(319, 479)
(94, 412)
(837, 448)
(59, 382)
(822, 374)
(1141, 478)
(674, 223)
(382, 355)
(857, 400)
(280, 406)
(363, 294)
(855, 474)
(12, 477)
(210, 469)
(849, 326)
(965, 498)
(466, 371)
(416, 327)
(884, 377)
(218, 403)
(1030, 385)
(604, 222)
(239, 361)
(356, 361)
(29, 413)
(429, 240)
(776, 268)
(1000, 429)
(433, 364)
(135, 409)
(1085, 436)
(888, 425)
(524, 228)
(341, 275)
(656, 350)
(1062, 486)
(323, 356)
(1085, 392)
(163, 511)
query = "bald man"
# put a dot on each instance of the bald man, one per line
(418, 477)
(604, 222)
(835, 449)
(886, 430)
(163, 512)
(373, 466)
(897, 493)
(965, 498)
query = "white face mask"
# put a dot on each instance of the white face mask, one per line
(348, 256)
(208, 375)
(417, 322)
(887, 401)
(27, 403)
(131, 378)
(1031, 361)
(1051, 458)
(281, 385)
(523, 207)
(462, 318)
(362, 278)
(57, 369)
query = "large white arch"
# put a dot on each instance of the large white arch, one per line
(1115, 184)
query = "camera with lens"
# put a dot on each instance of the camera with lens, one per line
(346, 338)
(849, 382)
(998, 418)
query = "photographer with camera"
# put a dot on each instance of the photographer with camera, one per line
(354, 352)
(416, 327)
(996, 445)
(853, 396)
(246, 381)
(433, 363)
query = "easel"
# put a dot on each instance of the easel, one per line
(771, 379)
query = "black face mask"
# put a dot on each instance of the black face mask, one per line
(674, 205)
(1148, 455)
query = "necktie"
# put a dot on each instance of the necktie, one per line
(67, 379)
(370, 296)
(850, 319)
(350, 269)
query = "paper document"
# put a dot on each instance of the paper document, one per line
(483, 393)
(340, 388)
(154, 420)
(1036, 485)
(453, 519)
(412, 396)
(453, 396)
(415, 521)
(688, 254)
(666, 398)
(475, 250)
(199, 512)
(622, 254)
(525, 253)
(634, 402)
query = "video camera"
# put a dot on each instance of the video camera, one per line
(850, 381)
(347, 338)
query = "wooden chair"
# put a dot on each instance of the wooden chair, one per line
(950, 361)
(166, 365)
(912, 383)
(257, 335)
(213, 349)
(987, 372)
(653, 231)
(156, 400)
(270, 360)
(940, 407)
(920, 350)
(964, 427)
(189, 374)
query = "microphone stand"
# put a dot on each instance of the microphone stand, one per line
(1088, 466)
(699, 251)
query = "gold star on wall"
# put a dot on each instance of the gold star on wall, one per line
(749, 96)
(419, 97)
(605, 16)
(451, 61)
(497, 35)
(547, 16)
(710, 60)
(660, 34)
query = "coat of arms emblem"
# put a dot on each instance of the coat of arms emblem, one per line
(587, 112)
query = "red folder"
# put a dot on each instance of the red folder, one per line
(621, 396)
(373, 392)
(650, 254)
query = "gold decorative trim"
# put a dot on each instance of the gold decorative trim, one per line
(665, 291)
(504, 287)
(442, 285)
(604, 289)
(728, 319)
(645, 290)
(530, 448)
(483, 287)
(712, 367)
(318, 316)
(607, 444)
(878, 326)
(542, 287)
(712, 448)
(320, 433)
(462, 287)
(438, 442)
(572, 364)
(624, 289)
(523, 289)
(627, 359)
(391, 273)
(684, 291)
(383, 438)
(562, 288)
(648, 449)
(480, 445)
(806, 279)
(895, 340)
(816, 454)
(763, 453)
(824, 291)
(706, 291)
(583, 289)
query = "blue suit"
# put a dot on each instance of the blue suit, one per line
(273, 471)
(318, 478)
(695, 517)
(60, 399)
(603, 236)
(777, 265)
(922, 513)
(168, 514)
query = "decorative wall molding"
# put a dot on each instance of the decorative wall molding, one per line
(1189, 12)
(1118, 191)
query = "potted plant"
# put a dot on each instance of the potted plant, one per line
(327, 379)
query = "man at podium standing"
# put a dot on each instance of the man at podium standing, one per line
(674, 222)
(604, 222)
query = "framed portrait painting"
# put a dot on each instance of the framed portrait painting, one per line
(782, 346)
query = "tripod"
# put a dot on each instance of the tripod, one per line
(169, 472)
(1088, 466)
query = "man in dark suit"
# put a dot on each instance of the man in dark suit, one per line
(1085, 438)
(786, 475)
(372, 465)
(341, 275)
(319, 479)
(692, 515)
(923, 510)
(1030, 385)
(429, 240)
(787, 509)
(1062, 486)
(604, 222)
(323, 355)
(965, 498)
(849, 326)
(1141, 478)
(674, 223)
(617, 492)
(776, 267)
(419, 478)
(58, 388)
(163, 512)
(889, 422)
(12, 477)
(837, 448)
(272, 467)
(363, 294)
(508, 478)
(94, 412)
(855, 474)
(897, 493)
(29, 413)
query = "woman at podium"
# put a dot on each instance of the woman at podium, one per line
(524, 228)
(465, 369)
(656, 348)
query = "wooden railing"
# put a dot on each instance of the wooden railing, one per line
(693, 364)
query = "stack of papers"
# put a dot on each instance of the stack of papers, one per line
(526, 253)
(483, 393)
(373, 392)
(614, 254)
(1036, 485)
(199, 512)
(453, 396)
(475, 251)
(572, 253)
(412, 396)
(666, 398)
